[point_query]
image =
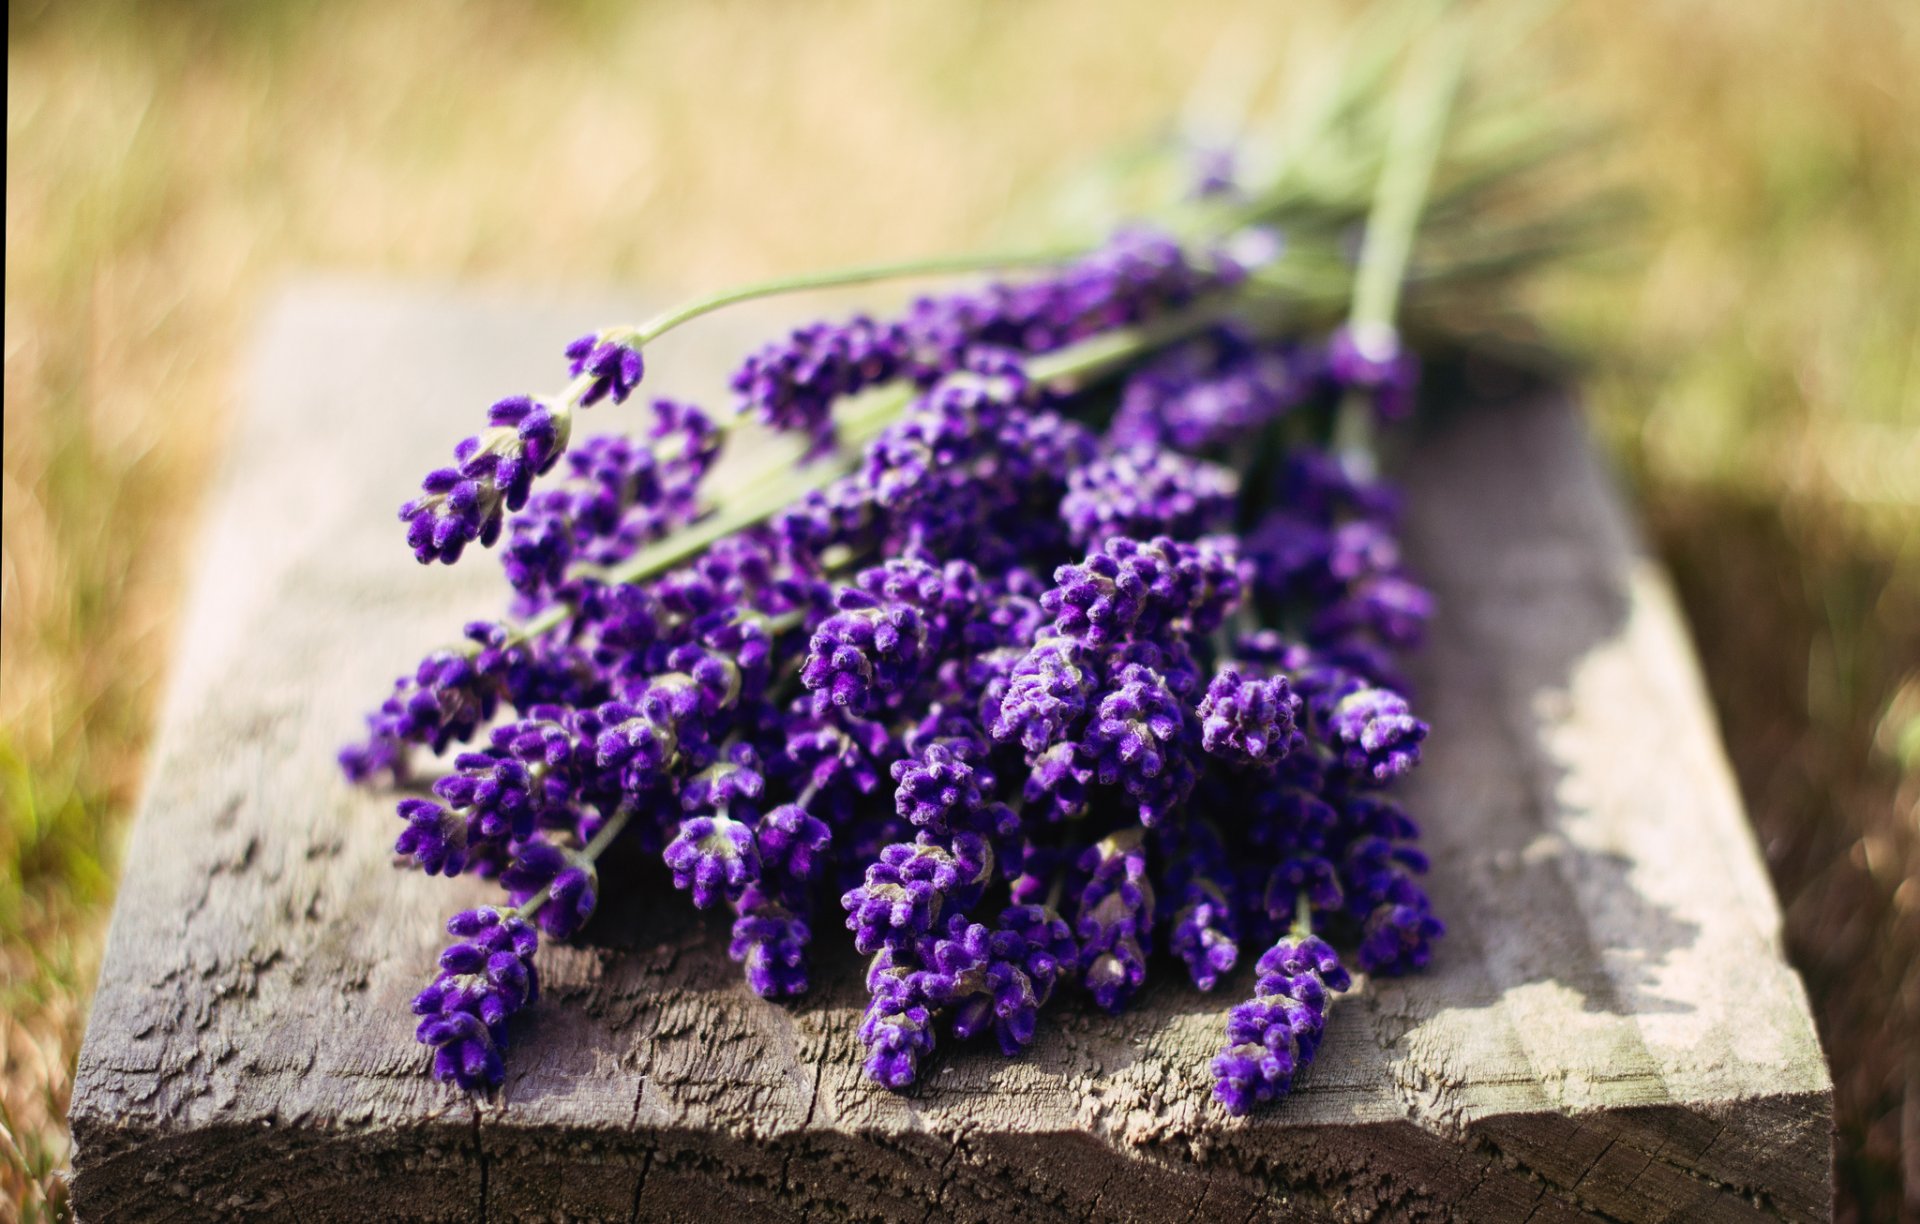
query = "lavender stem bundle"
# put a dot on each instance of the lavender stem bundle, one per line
(1066, 656)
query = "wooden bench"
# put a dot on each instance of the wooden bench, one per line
(1609, 1031)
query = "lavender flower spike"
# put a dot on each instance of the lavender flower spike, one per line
(907, 890)
(713, 856)
(1377, 735)
(1247, 721)
(485, 977)
(1144, 491)
(770, 941)
(1049, 690)
(1277, 1032)
(1138, 739)
(898, 1027)
(1115, 922)
(493, 472)
(997, 978)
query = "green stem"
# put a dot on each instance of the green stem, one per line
(1302, 918)
(590, 854)
(862, 274)
(1413, 147)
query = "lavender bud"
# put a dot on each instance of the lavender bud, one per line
(770, 941)
(1277, 1032)
(1377, 735)
(1247, 721)
(1114, 923)
(713, 856)
(485, 977)
(912, 883)
(612, 360)
(897, 1028)
(1138, 739)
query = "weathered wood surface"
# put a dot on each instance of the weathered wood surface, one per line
(1608, 1031)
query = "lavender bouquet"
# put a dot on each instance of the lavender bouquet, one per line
(1067, 648)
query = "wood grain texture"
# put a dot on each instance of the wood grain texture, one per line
(1609, 1031)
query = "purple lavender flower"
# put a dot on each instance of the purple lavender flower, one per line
(971, 464)
(1398, 936)
(1203, 930)
(1277, 1032)
(890, 623)
(956, 422)
(837, 751)
(1128, 588)
(435, 838)
(1303, 878)
(1114, 923)
(1050, 689)
(1398, 923)
(1377, 735)
(1138, 740)
(640, 741)
(1208, 393)
(996, 978)
(619, 495)
(792, 385)
(939, 790)
(897, 1028)
(1389, 608)
(1139, 274)
(1318, 486)
(502, 798)
(485, 977)
(770, 941)
(1247, 720)
(1057, 781)
(907, 890)
(444, 701)
(714, 857)
(493, 472)
(791, 842)
(1017, 719)
(1145, 491)
(612, 360)
(731, 783)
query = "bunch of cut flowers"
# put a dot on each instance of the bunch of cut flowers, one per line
(1067, 652)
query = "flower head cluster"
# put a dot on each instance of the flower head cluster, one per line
(1144, 492)
(620, 494)
(1248, 720)
(1332, 552)
(997, 979)
(793, 384)
(1115, 922)
(1212, 392)
(996, 682)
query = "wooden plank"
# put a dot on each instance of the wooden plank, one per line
(1609, 1031)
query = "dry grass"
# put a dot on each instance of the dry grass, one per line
(1758, 370)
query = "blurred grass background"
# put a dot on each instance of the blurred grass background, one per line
(1755, 368)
